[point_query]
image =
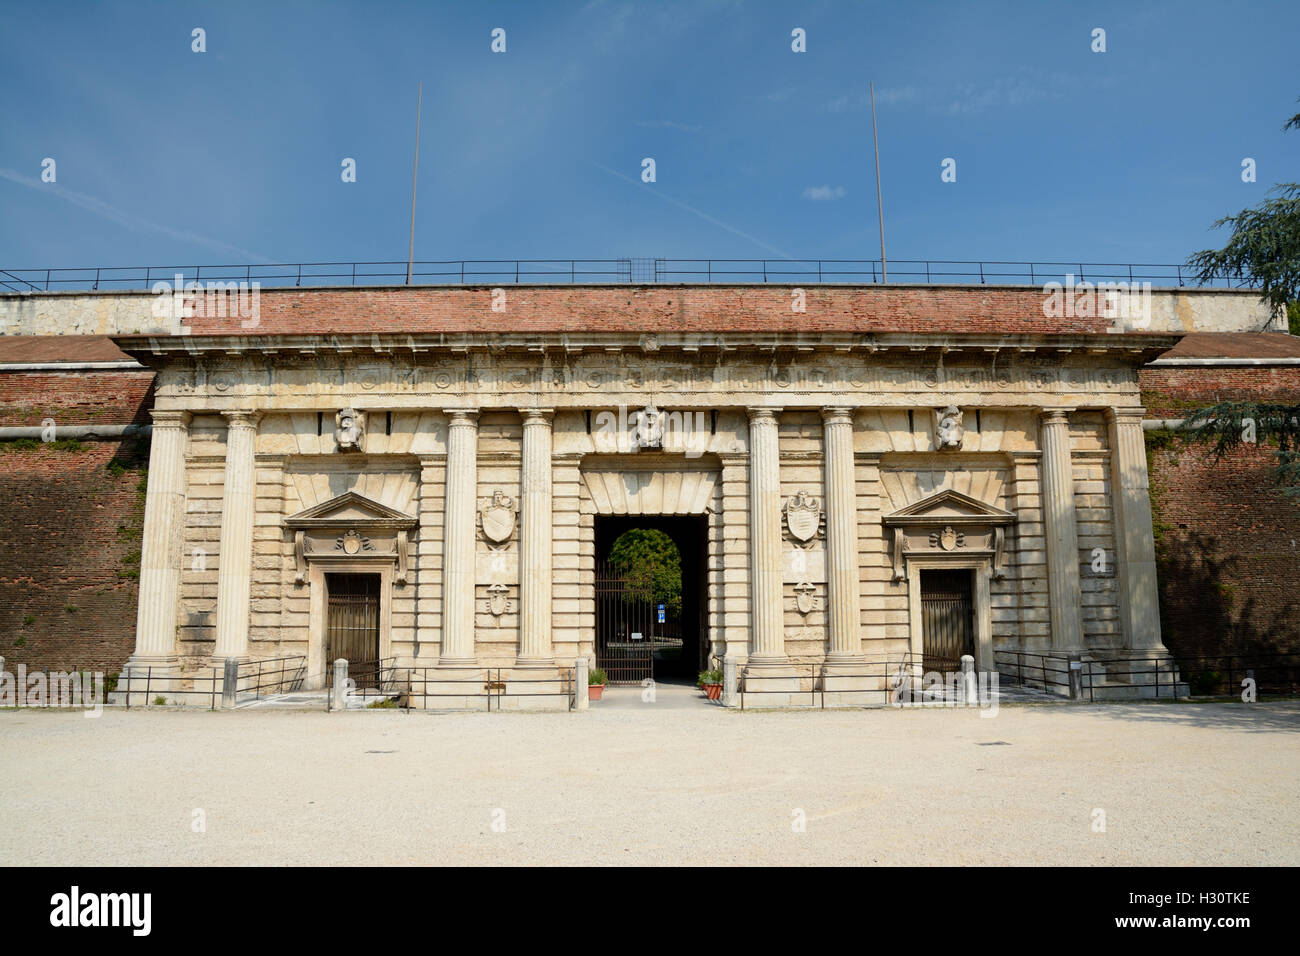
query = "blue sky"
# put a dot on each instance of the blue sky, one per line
(166, 156)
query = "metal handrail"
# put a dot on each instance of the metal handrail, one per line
(275, 670)
(607, 271)
(410, 683)
(909, 664)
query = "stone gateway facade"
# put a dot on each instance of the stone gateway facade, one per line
(835, 476)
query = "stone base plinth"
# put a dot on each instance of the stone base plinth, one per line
(450, 688)
(853, 684)
(848, 676)
(776, 685)
(146, 679)
(1155, 677)
(533, 688)
(855, 698)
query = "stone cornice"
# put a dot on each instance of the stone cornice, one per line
(157, 350)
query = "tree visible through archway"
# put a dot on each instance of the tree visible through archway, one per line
(652, 566)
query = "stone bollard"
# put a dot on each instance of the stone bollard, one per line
(581, 670)
(967, 685)
(229, 683)
(1076, 677)
(730, 683)
(341, 684)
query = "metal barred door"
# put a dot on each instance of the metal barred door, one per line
(947, 619)
(628, 628)
(352, 620)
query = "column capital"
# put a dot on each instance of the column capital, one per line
(242, 418)
(461, 416)
(1055, 416)
(1130, 415)
(838, 415)
(163, 418)
(537, 416)
(758, 413)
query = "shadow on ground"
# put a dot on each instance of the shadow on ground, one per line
(1264, 716)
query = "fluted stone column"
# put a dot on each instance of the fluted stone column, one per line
(841, 539)
(1061, 533)
(235, 558)
(535, 542)
(160, 547)
(767, 629)
(458, 557)
(1135, 559)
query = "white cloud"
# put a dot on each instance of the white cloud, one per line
(669, 124)
(885, 96)
(1025, 88)
(823, 193)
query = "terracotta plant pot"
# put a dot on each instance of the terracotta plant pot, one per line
(713, 690)
(594, 691)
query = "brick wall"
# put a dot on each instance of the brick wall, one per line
(1228, 540)
(69, 562)
(705, 309)
(75, 398)
(1173, 392)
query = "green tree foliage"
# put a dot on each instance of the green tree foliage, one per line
(653, 566)
(1229, 425)
(1265, 246)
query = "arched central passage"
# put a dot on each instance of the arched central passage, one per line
(651, 596)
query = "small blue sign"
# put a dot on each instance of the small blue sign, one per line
(661, 613)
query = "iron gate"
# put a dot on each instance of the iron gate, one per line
(352, 621)
(628, 630)
(947, 619)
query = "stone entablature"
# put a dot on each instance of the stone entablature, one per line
(373, 373)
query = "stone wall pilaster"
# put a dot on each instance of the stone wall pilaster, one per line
(1135, 559)
(160, 548)
(1061, 533)
(767, 642)
(842, 538)
(235, 557)
(458, 563)
(535, 648)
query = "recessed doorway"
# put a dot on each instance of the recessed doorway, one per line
(352, 620)
(651, 597)
(947, 618)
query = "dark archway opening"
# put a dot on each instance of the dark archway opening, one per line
(620, 615)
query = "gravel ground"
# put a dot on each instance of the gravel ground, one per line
(629, 784)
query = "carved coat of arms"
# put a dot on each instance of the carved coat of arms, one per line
(802, 516)
(805, 598)
(498, 599)
(497, 519)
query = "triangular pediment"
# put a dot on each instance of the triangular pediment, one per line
(353, 510)
(949, 506)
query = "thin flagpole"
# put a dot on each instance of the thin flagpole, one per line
(415, 175)
(880, 203)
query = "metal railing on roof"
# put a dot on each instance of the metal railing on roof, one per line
(627, 271)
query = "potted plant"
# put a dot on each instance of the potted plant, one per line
(711, 682)
(596, 680)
